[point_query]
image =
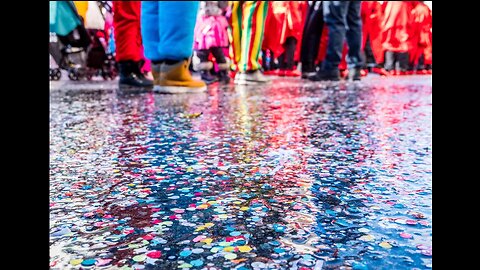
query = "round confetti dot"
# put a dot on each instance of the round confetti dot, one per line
(230, 256)
(154, 254)
(185, 253)
(139, 258)
(88, 262)
(76, 262)
(196, 262)
(197, 250)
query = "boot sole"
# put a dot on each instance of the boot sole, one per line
(178, 89)
(125, 88)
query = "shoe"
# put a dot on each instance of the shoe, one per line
(409, 72)
(131, 78)
(207, 77)
(422, 72)
(176, 79)
(250, 78)
(364, 72)
(204, 69)
(402, 73)
(392, 72)
(344, 74)
(429, 71)
(380, 71)
(326, 75)
(355, 74)
(223, 73)
(307, 75)
(272, 72)
(292, 73)
(223, 77)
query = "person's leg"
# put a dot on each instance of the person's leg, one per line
(369, 59)
(222, 63)
(389, 61)
(354, 39)
(126, 21)
(236, 24)
(281, 61)
(205, 66)
(175, 23)
(252, 25)
(334, 13)
(290, 47)
(402, 58)
(311, 38)
(149, 27)
(128, 43)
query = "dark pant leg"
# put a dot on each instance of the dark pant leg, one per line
(369, 58)
(334, 13)
(421, 62)
(281, 61)
(217, 52)
(290, 47)
(312, 33)
(354, 35)
(389, 60)
(402, 59)
(203, 55)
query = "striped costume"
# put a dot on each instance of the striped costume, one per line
(248, 23)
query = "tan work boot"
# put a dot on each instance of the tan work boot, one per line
(176, 79)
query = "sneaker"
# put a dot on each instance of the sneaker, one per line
(176, 79)
(250, 78)
(326, 75)
(355, 74)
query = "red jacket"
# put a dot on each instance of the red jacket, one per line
(420, 32)
(396, 25)
(284, 19)
(372, 16)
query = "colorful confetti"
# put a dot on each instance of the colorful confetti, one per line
(295, 175)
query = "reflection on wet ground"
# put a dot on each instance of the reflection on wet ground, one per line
(294, 175)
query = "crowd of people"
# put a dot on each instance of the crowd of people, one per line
(251, 40)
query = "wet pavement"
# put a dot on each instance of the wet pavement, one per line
(293, 175)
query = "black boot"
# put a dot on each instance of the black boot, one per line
(207, 77)
(131, 78)
(138, 71)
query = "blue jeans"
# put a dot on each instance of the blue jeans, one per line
(343, 21)
(167, 29)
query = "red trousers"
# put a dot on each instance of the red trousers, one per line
(126, 23)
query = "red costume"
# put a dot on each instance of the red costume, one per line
(284, 19)
(420, 34)
(396, 24)
(372, 16)
(126, 23)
